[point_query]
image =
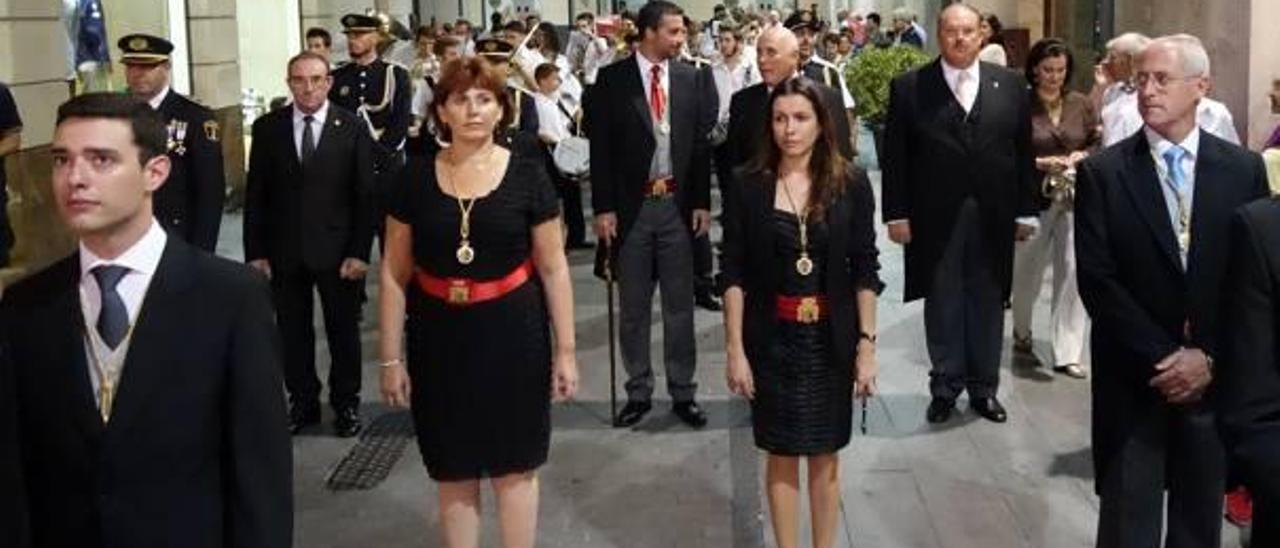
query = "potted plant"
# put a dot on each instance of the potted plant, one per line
(869, 75)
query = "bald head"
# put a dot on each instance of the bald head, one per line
(777, 54)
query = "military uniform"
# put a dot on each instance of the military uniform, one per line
(817, 68)
(189, 204)
(526, 119)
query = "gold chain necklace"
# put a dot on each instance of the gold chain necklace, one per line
(804, 265)
(465, 253)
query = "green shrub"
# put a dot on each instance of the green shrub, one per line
(869, 75)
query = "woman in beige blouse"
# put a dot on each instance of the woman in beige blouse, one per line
(1064, 129)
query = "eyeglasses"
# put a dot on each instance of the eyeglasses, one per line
(1161, 80)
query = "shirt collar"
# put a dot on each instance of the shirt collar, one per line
(1159, 144)
(320, 115)
(646, 65)
(951, 73)
(143, 257)
(159, 98)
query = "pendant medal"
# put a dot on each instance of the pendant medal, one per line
(804, 265)
(465, 253)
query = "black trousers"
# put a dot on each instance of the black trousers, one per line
(293, 290)
(1175, 448)
(570, 191)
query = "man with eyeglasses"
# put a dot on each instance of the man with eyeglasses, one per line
(308, 226)
(1152, 218)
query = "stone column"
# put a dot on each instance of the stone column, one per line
(215, 78)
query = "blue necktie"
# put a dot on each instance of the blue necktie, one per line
(1173, 160)
(113, 319)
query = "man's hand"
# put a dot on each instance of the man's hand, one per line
(900, 232)
(701, 222)
(606, 227)
(1024, 232)
(352, 269)
(263, 266)
(1183, 376)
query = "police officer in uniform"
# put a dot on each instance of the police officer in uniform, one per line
(189, 204)
(805, 25)
(498, 52)
(379, 93)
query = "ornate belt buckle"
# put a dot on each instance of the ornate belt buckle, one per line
(459, 292)
(808, 310)
(659, 188)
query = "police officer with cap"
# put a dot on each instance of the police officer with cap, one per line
(189, 204)
(498, 52)
(805, 25)
(377, 91)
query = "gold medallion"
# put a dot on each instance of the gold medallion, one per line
(465, 254)
(804, 265)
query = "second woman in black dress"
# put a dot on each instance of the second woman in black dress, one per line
(800, 264)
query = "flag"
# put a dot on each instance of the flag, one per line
(91, 34)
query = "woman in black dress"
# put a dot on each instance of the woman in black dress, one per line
(800, 263)
(475, 264)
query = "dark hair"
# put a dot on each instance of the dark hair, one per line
(317, 32)
(424, 30)
(1044, 49)
(544, 70)
(463, 22)
(827, 167)
(585, 16)
(996, 28)
(873, 16)
(651, 14)
(628, 15)
(515, 25)
(445, 42)
(550, 38)
(306, 55)
(733, 30)
(147, 124)
(460, 75)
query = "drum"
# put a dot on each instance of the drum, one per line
(573, 156)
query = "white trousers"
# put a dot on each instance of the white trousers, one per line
(1069, 320)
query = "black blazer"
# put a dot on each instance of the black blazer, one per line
(749, 115)
(189, 204)
(197, 452)
(314, 215)
(1143, 305)
(936, 156)
(750, 263)
(1249, 366)
(622, 142)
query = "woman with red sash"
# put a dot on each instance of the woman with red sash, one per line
(800, 264)
(476, 289)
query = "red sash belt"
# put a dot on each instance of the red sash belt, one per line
(802, 309)
(466, 292)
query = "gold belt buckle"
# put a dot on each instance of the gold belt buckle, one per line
(459, 293)
(659, 188)
(808, 310)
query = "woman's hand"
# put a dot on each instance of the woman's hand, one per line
(738, 375)
(1052, 164)
(564, 377)
(866, 370)
(395, 385)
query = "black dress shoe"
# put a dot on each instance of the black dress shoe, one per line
(940, 410)
(302, 415)
(690, 413)
(347, 422)
(990, 409)
(707, 301)
(631, 413)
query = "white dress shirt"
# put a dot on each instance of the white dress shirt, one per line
(598, 55)
(552, 122)
(317, 125)
(1213, 117)
(1120, 116)
(732, 78)
(645, 67)
(1191, 144)
(969, 94)
(159, 98)
(142, 260)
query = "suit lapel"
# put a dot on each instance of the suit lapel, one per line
(288, 140)
(1143, 185)
(1207, 194)
(328, 135)
(147, 363)
(938, 100)
(68, 347)
(639, 95)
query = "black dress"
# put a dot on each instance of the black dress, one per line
(481, 375)
(803, 403)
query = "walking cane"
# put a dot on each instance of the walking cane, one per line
(613, 354)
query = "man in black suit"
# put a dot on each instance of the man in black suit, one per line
(189, 205)
(1249, 372)
(146, 372)
(650, 176)
(308, 227)
(1152, 219)
(957, 173)
(778, 57)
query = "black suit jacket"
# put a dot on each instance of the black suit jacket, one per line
(197, 453)
(750, 262)
(749, 117)
(1249, 366)
(189, 205)
(1143, 304)
(936, 156)
(312, 215)
(622, 142)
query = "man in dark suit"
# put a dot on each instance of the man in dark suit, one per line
(308, 227)
(957, 173)
(778, 57)
(650, 176)
(146, 372)
(189, 205)
(1249, 373)
(1152, 219)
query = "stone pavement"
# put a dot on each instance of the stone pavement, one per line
(906, 483)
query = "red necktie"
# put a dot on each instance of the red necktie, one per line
(656, 100)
